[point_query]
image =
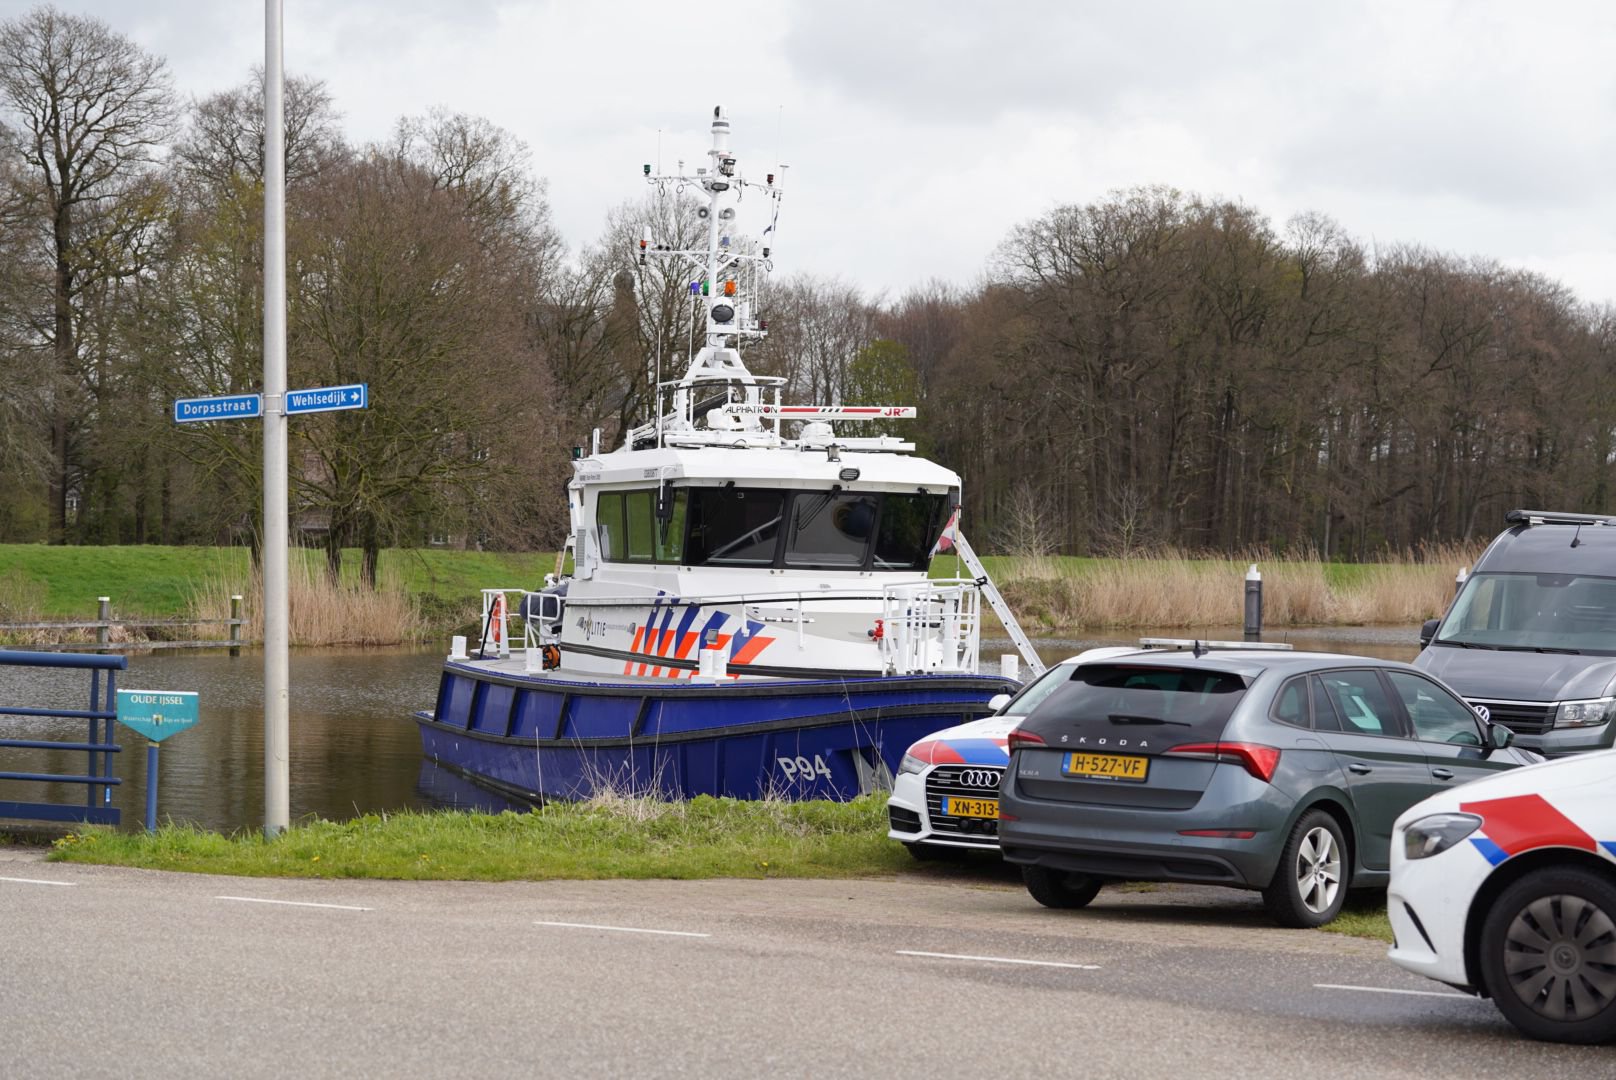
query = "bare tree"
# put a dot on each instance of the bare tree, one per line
(92, 108)
(224, 139)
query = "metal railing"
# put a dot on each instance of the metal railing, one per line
(98, 748)
(934, 626)
(103, 625)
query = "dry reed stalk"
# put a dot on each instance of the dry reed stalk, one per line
(1174, 589)
(321, 613)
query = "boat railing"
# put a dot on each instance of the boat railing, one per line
(931, 626)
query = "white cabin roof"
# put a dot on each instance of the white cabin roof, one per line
(783, 467)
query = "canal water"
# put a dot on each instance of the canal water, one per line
(354, 745)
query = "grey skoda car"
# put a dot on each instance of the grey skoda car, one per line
(1257, 768)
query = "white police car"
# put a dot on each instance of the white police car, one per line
(945, 798)
(1506, 887)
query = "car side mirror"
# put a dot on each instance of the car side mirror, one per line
(1499, 736)
(998, 701)
(1428, 631)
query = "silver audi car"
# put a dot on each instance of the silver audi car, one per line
(1258, 768)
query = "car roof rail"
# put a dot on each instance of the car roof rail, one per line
(1201, 645)
(1555, 517)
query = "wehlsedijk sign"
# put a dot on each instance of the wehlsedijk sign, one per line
(229, 407)
(327, 399)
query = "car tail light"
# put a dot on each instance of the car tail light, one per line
(1258, 760)
(1019, 738)
(1220, 834)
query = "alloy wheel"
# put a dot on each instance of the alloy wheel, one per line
(1318, 870)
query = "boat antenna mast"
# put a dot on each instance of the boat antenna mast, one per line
(720, 271)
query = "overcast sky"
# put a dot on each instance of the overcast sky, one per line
(919, 133)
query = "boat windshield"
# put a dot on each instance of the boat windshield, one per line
(1570, 613)
(801, 530)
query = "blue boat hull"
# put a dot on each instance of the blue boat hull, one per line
(555, 738)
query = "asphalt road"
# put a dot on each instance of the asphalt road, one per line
(134, 973)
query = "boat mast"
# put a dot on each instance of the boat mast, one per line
(717, 270)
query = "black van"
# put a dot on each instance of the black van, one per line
(1531, 638)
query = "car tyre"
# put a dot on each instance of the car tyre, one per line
(1548, 955)
(1310, 883)
(1058, 888)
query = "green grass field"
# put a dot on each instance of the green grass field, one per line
(604, 838)
(63, 582)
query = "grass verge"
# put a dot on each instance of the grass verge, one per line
(609, 837)
(1365, 920)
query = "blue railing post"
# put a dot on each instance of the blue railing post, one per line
(100, 770)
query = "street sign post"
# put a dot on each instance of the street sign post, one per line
(328, 399)
(229, 407)
(156, 714)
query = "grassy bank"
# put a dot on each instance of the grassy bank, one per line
(1056, 594)
(423, 592)
(428, 592)
(604, 838)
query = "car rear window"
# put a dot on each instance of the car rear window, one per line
(1188, 699)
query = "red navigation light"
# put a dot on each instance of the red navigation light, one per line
(729, 288)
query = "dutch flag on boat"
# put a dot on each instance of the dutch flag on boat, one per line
(945, 542)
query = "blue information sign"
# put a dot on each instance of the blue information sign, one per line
(231, 407)
(157, 714)
(327, 399)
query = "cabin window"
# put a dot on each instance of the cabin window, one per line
(733, 526)
(909, 528)
(638, 505)
(670, 534)
(830, 530)
(609, 525)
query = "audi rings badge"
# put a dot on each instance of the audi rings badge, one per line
(982, 778)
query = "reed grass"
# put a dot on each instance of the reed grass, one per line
(1171, 589)
(611, 836)
(321, 612)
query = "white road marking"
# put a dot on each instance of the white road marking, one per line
(1389, 990)
(620, 929)
(292, 903)
(35, 881)
(998, 960)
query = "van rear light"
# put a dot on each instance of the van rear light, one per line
(1258, 760)
(1019, 738)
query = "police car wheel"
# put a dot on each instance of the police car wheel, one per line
(1548, 955)
(1059, 889)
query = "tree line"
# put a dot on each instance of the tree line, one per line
(1148, 369)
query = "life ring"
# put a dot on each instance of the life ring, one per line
(496, 619)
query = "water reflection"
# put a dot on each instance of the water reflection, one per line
(354, 746)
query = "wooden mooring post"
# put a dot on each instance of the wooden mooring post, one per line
(235, 626)
(103, 615)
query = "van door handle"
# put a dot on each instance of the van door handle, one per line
(1360, 768)
(1442, 774)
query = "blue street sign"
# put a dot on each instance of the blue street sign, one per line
(327, 399)
(232, 407)
(157, 714)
